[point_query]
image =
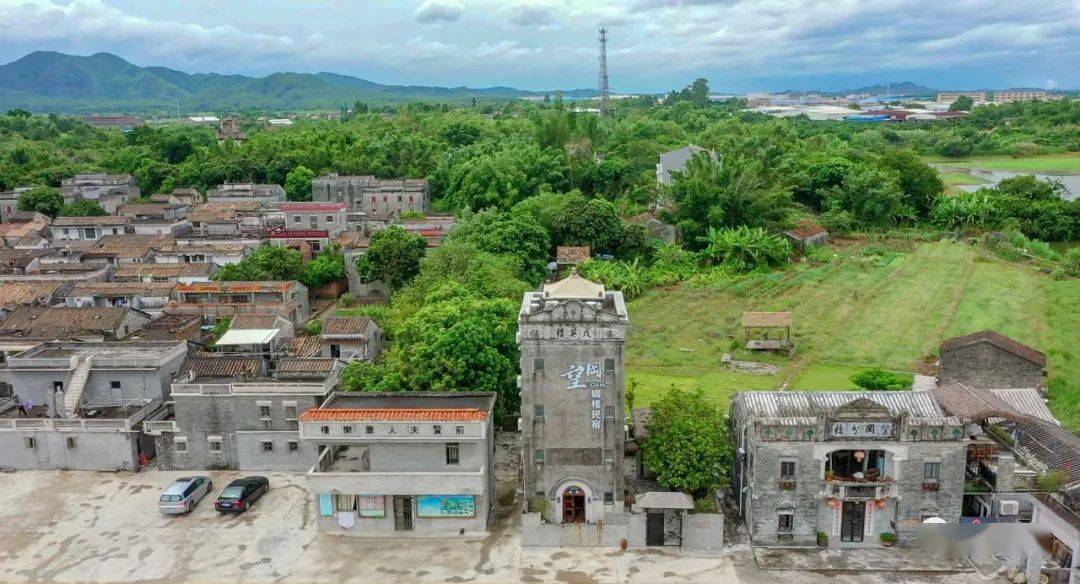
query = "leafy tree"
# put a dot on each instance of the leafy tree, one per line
(327, 267)
(82, 208)
(688, 446)
(268, 262)
(44, 200)
(739, 192)
(220, 327)
(298, 184)
(393, 257)
(872, 196)
(594, 223)
(512, 234)
(920, 183)
(963, 103)
(877, 379)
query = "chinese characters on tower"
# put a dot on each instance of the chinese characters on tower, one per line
(589, 376)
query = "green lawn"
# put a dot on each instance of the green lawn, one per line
(890, 309)
(957, 178)
(1068, 162)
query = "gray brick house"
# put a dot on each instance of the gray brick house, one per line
(372, 195)
(241, 413)
(572, 336)
(850, 465)
(990, 360)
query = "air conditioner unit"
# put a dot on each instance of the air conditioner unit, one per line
(1009, 508)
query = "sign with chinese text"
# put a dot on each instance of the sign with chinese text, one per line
(446, 506)
(371, 506)
(861, 430)
(589, 376)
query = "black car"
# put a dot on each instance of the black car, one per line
(241, 494)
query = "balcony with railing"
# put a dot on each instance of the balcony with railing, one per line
(335, 471)
(111, 418)
(859, 474)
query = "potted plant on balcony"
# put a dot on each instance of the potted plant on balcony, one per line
(830, 476)
(822, 539)
(931, 486)
(888, 539)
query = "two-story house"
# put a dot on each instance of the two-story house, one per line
(84, 403)
(246, 192)
(150, 298)
(314, 224)
(215, 300)
(407, 464)
(109, 190)
(157, 218)
(242, 412)
(88, 228)
(351, 338)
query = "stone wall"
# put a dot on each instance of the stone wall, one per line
(986, 366)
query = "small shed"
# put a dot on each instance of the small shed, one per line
(768, 331)
(572, 255)
(806, 234)
(664, 516)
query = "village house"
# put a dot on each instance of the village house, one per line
(572, 336)
(373, 196)
(149, 298)
(21, 261)
(675, 162)
(157, 218)
(313, 224)
(88, 228)
(351, 338)
(182, 273)
(404, 463)
(16, 294)
(571, 256)
(181, 196)
(70, 323)
(196, 251)
(172, 327)
(237, 219)
(246, 193)
(264, 322)
(215, 300)
(117, 250)
(84, 403)
(20, 224)
(230, 130)
(9, 202)
(108, 190)
(238, 412)
(988, 359)
(844, 469)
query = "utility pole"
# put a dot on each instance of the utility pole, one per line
(605, 90)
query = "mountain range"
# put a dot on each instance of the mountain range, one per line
(46, 81)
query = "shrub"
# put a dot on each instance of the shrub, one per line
(877, 379)
(745, 248)
(1052, 481)
(706, 504)
(313, 327)
(1070, 263)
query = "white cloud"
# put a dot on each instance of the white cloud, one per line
(435, 11)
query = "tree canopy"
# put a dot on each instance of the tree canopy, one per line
(687, 446)
(393, 257)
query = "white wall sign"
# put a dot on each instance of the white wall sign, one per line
(589, 376)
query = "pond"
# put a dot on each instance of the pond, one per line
(992, 177)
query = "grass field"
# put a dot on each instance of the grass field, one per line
(888, 306)
(1068, 162)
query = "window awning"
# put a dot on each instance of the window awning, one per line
(248, 337)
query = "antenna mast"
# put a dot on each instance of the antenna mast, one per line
(605, 90)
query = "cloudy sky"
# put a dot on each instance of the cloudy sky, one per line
(654, 45)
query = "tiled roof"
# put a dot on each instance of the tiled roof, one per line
(1027, 401)
(567, 254)
(303, 347)
(973, 404)
(767, 319)
(255, 322)
(174, 322)
(1052, 445)
(204, 365)
(353, 240)
(13, 294)
(811, 404)
(40, 322)
(393, 415)
(228, 287)
(998, 340)
(221, 212)
(117, 289)
(345, 326)
(804, 229)
(292, 366)
(125, 246)
(177, 270)
(79, 221)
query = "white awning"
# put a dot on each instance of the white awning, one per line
(248, 337)
(665, 500)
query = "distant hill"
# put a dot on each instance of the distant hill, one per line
(46, 81)
(898, 89)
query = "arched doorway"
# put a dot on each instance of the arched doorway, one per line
(573, 504)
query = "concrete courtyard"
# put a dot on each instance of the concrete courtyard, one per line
(104, 527)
